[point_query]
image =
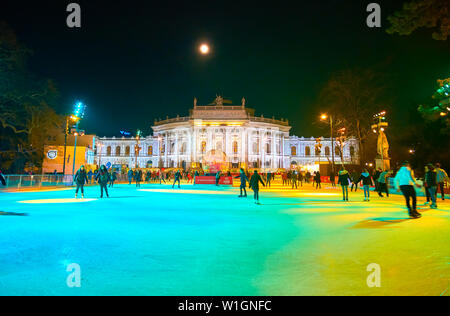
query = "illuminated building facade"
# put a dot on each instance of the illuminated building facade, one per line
(219, 131)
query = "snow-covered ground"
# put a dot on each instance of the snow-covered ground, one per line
(205, 241)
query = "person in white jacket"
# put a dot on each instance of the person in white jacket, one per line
(405, 182)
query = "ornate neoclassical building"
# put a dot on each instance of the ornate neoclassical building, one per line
(231, 133)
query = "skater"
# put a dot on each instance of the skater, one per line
(244, 180)
(431, 184)
(130, 176)
(354, 176)
(344, 181)
(268, 179)
(161, 178)
(2, 178)
(196, 174)
(333, 178)
(441, 178)
(383, 183)
(254, 185)
(112, 178)
(80, 179)
(427, 192)
(138, 178)
(90, 175)
(405, 182)
(301, 177)
(103, 179)
(367, 182)
(217, 178)
(318, 180)
(294, 179)
(177, 179)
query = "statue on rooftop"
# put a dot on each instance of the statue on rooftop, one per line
(219, 101)
(243, 102)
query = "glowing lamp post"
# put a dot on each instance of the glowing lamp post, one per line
(78, 114)
(379, 128)
(325, 118)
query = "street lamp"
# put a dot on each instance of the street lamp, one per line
(137, 148)
(69, 119)
(324, 117)
(78, 114)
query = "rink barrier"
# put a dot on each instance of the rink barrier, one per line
(18, 182)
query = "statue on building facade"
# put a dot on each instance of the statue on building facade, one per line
(219, 101)
(243, 102)
(195, 102)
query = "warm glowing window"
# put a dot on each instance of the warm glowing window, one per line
(294, 151)
(150, 151)
(235, 147)
(117, 151)
(327, 151)
(203, 148)
(108, 151)
(307, 151)
(127, 151)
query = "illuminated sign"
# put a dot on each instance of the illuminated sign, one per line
(52, 154)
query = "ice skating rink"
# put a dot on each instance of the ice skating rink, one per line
(203, 240)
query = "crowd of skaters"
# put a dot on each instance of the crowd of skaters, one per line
(404, 181)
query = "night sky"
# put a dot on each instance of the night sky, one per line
(134, 61)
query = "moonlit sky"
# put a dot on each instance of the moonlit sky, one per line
(134, 61)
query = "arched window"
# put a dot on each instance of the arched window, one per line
(163, 149)
(307, 151)
(294, 151)
(203, 148)
(127, 151)
(108, 151)
(118, 151)
(327, 151)
(352, 151)
(337, 151)
(256, 148)
(150, 150)
(235, 147)
(268, 148)
(183, 148)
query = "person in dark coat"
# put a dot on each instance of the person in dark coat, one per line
(113, 178)
(138, 178)
(103, 179)
(333, 179)
(344, 181)
(2, 178)
(431, 184)
(177, 179)
(90, 175)
(318, 180)
(294, 179)
(269, 179)
(218, 174)
(254, 185)
(80, 180)
(244, 179)
(367, 181)
(130, 176)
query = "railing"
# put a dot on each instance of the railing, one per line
(36, 181)
(174, 120)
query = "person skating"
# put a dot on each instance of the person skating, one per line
(344, 181)
(405, 182)
(367, 181)
(431, 184)
(244, 179)
(218, 174)
(254, 185)
(130, 176)
(112, 178)
(318, 180)
(103, 179)
(90, 175)
(80, 180)
(294, 179)
(354, 176)
(442, 176)
(300, 178)
(138, 178)
(177, 179)
(268, 179)
(383, 181)
(333, 179)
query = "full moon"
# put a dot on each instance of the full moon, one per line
(204, 49)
